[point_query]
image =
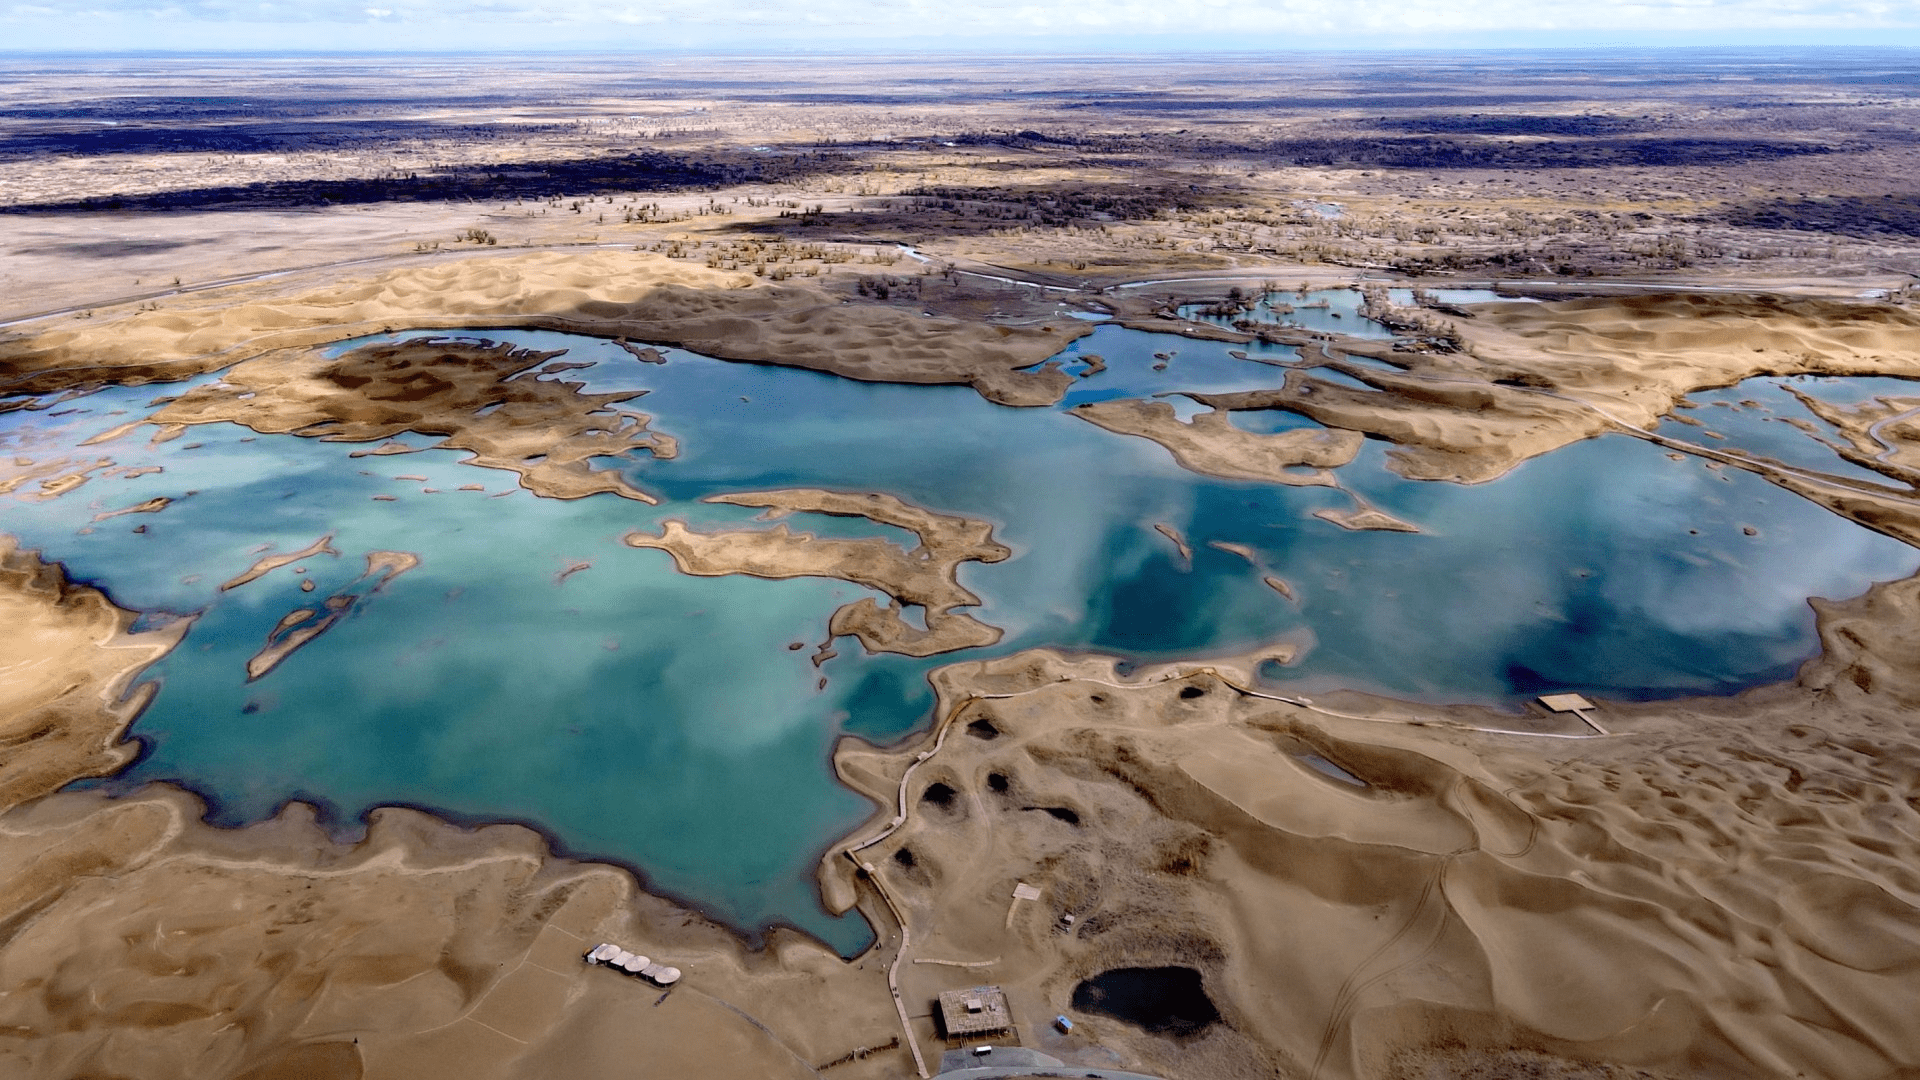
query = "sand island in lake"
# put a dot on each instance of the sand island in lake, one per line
(377, 639)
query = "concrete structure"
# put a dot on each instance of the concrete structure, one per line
(981, 1010)
(1576, 705)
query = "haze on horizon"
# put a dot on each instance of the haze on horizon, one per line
(1013, 26)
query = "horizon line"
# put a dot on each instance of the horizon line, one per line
(1043, 47)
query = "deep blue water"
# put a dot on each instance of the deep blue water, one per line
(662, 720)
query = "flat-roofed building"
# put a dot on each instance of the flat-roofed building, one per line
(981, 1010)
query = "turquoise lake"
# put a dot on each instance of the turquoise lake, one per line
(660, 720)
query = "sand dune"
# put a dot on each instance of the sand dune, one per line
(68, 665)
(1365, 889)
(1725, 890)
(605, 293)
(147, 944)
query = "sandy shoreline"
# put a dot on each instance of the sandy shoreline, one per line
(1143, 804)
(1182, 821)
(1347, 886)
(1185, 818)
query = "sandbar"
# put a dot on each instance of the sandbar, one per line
(1211, 444)
(269, 563)
(924, 577)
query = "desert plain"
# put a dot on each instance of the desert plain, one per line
(1543, 251)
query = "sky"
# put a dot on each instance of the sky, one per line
(960, 25)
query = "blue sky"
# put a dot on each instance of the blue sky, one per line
(1128, 25)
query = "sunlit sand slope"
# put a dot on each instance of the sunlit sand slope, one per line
(68, 664)
(1727, 888)
(606, 293)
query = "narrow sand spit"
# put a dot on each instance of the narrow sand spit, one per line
(480, 397)
(1882, 434)
(300, 626)
(150, 506)
(56, 476)
(1362, 517)
(923, 578)
(1178, 541)
(1211, 444)
(267, 564)
(1534, 377)
(1244, 551)
(603, 293)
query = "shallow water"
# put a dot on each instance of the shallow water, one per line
(1751, 415)
(662, 720)
(1332, 311)
(1404, 297)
